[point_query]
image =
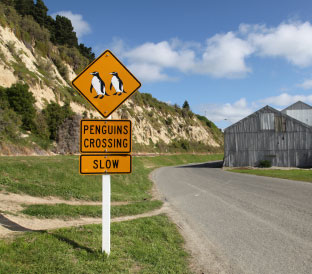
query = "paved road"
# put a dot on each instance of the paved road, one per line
(259, 224)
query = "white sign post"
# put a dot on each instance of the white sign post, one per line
(106, 197)
(106, 210)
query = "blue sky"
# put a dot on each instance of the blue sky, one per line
(226, 58)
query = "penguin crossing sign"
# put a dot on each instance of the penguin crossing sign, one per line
(105, 136)
(106, 83)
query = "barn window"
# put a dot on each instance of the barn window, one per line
(267, 121)
(280, 124)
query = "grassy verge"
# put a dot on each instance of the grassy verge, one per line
(147, 245)
(65, 211)
(59, 176)
(293, 174)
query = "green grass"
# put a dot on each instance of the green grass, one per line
(59, 176)
(293, 174)
(65, 211)
(146, 245)
(135, 208)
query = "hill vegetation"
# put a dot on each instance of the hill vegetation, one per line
(158, 127)
(18, 115)
(58, 31)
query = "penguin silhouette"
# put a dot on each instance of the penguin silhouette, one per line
(117, 84)
(98, 84)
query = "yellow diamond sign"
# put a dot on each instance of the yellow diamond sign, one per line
(106, 83)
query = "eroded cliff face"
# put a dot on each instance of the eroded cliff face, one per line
(21, 62)
(152, 125)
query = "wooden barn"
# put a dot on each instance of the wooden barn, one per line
(300, 111)
(269, 134)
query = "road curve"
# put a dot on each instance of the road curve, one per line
(258, 224)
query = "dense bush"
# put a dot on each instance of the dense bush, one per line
(41, 128)
(4, 103)
(265, 163)
(17, 113)
(55, 115)
(10, 123)
(34, 30)
(180, 143)
(22, 101)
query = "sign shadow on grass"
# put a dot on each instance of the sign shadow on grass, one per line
(8, 224)
(73, 243)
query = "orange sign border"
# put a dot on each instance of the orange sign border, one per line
(106, 51)
(107, 152)
(104, 173)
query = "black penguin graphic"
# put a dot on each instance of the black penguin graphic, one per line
(98, 84)
(117, 84)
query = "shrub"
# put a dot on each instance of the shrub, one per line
(169, 121)
(22, 101)
(4, 103)
(178, 144)
(30, 26)
(10, 124)
(62, 69)
(55, 115)
(41, 127)
(73, 57)
(11, 17)
(265, 163)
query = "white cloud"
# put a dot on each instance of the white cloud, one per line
(292, 41)
(148, 72)
(286, 99)
(162, 54)
(81, 27)
(225, 57)
(307, 84)
(222, 55)
(150, 60)
(231, 112)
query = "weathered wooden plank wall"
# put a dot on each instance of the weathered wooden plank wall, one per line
(268, 135)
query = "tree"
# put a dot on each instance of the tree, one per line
(8, 2)
(25, 7)
(40, 13)
(87, 52)
(186, 105)
(64, 32)
(50, 25)
(22, 101)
